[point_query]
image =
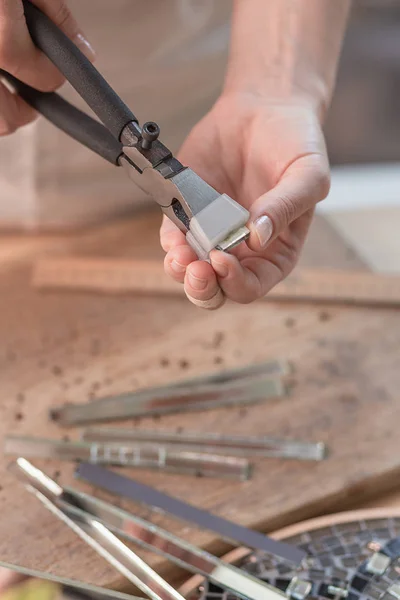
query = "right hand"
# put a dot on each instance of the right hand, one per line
(20, 57)
(271, 159)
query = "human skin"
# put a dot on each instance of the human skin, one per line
(262, 143)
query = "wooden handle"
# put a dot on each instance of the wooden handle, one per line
(147, 277)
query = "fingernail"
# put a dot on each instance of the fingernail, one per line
(177, 267)
(197, 283)
(220, 269)
(264, 229)
(85, 46)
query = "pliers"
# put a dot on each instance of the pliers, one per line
(208, 219)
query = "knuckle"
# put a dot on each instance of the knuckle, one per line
(288, 209)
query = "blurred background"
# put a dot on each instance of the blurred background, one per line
(363, 136)
(47, 180)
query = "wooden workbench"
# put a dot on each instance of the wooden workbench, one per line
(59, 347)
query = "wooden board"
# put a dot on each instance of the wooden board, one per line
(60, 347)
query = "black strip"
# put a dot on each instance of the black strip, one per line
(138, 492)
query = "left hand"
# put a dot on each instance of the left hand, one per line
(270, 156)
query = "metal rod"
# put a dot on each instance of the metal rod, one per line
(95, 534)
(14, 575)
(166, 400)
(184, 554)
(143, 456)
(213, 443)
(149, 497)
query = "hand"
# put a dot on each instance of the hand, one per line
(269, 156)
(20, 57)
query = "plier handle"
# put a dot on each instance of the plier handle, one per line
(208, 219)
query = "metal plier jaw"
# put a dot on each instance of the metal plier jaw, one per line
(207, 218)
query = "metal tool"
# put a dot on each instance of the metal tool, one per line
(212, 443)
(115, 275)
(170, 399)
(208, 219)
(143, 456)
(149, 497)
(94, 533)
(153, 538)
(13, 577)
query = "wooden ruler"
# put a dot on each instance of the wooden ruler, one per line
(122, 276)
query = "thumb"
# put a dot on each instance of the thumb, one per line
(304, 183)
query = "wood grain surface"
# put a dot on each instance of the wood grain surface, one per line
(59, 347)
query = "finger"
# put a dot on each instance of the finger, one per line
(59, 13)
(305, 183)
(170, 235)
(14, 112)
(237, 282)
(201, 286)
(19, 55)
(246, 281)
(177, 260)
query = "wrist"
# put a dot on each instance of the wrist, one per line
(287, 48)
(311, 92)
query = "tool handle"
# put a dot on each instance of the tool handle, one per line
(78, 70)
(69, 119)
